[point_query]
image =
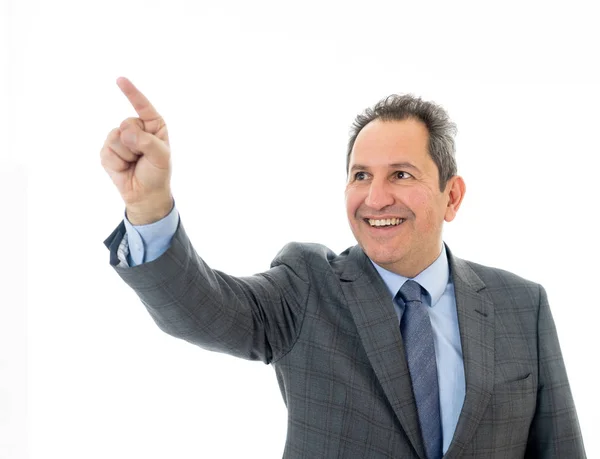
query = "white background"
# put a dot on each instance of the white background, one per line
(13, 286)
(259, 97)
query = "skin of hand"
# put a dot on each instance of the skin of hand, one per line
(137, 157)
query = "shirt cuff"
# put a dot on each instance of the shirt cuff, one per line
(148, 242)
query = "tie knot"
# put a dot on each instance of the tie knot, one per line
(410, 291)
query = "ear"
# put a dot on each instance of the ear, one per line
(455, 191)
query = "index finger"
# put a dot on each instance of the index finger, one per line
(140, 103)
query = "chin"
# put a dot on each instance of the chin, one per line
(383, 256)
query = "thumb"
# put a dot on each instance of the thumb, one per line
(144, 143)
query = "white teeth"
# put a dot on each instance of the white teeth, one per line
(385, 222)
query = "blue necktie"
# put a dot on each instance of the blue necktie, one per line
(417, 336)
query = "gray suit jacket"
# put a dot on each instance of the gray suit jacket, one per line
(326, 324)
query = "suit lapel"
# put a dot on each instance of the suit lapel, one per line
(476, 324)
(372, 309)
(377, 323)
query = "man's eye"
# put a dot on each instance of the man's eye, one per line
(402, 175)
(360, 176)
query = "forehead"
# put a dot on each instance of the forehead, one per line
(387, 142)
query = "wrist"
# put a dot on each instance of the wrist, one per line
(149, 212)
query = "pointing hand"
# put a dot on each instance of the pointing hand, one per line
(137, 157)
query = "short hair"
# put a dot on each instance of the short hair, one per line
(439, 126)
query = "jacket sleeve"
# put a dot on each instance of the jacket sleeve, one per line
(256, 317)
(554, 431)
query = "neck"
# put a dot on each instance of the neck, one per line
(414, 266)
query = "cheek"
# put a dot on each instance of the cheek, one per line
(426, 208)
(354, 198)
(418, 200)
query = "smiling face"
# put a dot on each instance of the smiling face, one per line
(393, 199)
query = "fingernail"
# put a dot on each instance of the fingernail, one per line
(129, 138)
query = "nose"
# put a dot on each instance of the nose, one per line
(380, 195)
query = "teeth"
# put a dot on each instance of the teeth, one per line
(385, 222)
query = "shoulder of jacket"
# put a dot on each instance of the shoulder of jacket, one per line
(311, 253)
(496, 276)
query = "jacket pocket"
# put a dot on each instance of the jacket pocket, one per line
(519, 390)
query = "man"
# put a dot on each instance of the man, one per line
(394, 348)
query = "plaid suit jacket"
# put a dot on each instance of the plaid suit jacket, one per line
(326, 324)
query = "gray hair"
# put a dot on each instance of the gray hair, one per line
(434, 117)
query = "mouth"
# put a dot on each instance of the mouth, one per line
(383, 223)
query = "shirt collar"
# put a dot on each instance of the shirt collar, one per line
(434, 278)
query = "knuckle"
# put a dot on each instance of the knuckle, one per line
(144, 141)
(112, 135)
(108, 158)
(104, 162)
(125, 124)
(131, 122)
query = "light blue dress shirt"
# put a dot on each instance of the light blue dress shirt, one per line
(148, 242)
(446, 336)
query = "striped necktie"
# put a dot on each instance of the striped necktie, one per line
(417, 336)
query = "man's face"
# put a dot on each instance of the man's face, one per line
(391, 176)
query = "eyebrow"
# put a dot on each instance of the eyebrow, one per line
(404, 165)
